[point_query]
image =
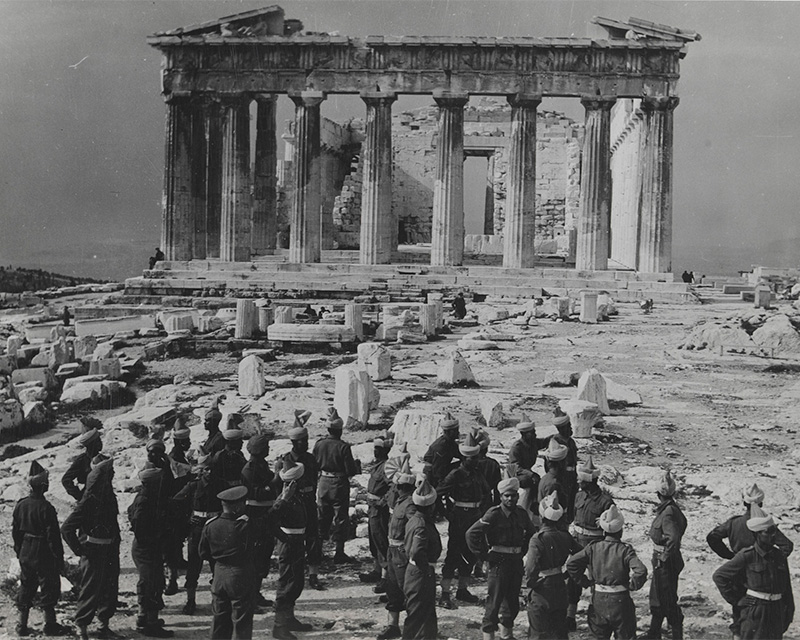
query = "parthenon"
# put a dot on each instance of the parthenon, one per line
(219, 204)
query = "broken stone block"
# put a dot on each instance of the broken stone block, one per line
(13, 344)
(588, 307)
(103, 350)
(592, 388)
(11, 415)
(7, 364)
(144, 420)
(59, 354)
(101, 393)
(207, 324)
(619, 393)
(605, 299)
(583, 415)
(287, 332)
(561, 378)
(492, 412)
(42, 375)
(251, 377)
(437, 300)
(178, 323)
(554, 308)
(353, 318)
(284, 315)
(149, 332)
(41, 359)
(34, 412)
(763, 295)
(411, 336)
(468, 344)
(30, 392)
(69, 370)
(428, 319)
(84, 347)
(492, 314)
(267, 355)
(454, 370)
(777, 335)
(110, 367)
(376, 359)
(59, 331)
(352, 394)
(266, 316)
(246, 319)
(110, 326)
(417, 429)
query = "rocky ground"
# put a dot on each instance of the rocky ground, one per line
(719, 420)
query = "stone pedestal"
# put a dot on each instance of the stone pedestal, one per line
(376, 196)
(246, 319)
(595, 203)
(264, 179)
(284, 315)
(589, 307)
(428, 319)
(353, 319)
(235, 223)
(762, 296)
(437, 300)
(266, 316)
(655, 222)
(304, 237)
(447, 232)
(376, 359)
(353, 394)
(582, 415)
(251, 377)
(520, 220)
(177, 223)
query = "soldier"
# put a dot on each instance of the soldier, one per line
(666, 533)
(289, 513)
(74, 479)
(590, 502)
(307, 488)
(552, 482)
(147, 515)
(423, 547)
(501, 537)
(259, 480)
(37, 543)
(215, 442)
(92, 532)
(569, 477)
(739, 537)
(544, 573)
(378, 523)
(336, 467)
(490, 469)
(228, 541)
(757, 581)
(397, 560)
(227, 464)
(443, 451)
(614, 570)
(466, 492)
(181, 514)
(523, 454)
(201, 496)
(181, 442)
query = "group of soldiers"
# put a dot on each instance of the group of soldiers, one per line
(545, 538)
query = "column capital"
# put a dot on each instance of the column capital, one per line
(265, 97)
(598, 103)
(444, 98)
(308, 98)
(659, 103)
(377, 97)
(175, 97)
(529, 100)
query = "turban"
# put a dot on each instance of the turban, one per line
(549, 508)
(753, 495)
(449, 422)
(759, 520)
(383, 440)
(291, 470)
(424, 495)
(404, 475)
(150, 472)
(234, 420)
(37, 474)
(233, 494)
(509, 484)
(556, 451)
(611, 520)
(86, 438)
(154, 444)
(526, 424)
(334, 421)
(232, 434)
(258, 444)
(587, 471)
(481, 437)
(561, 421)
(469, 448)
(181, 433)
(667, 486)
(298, 433)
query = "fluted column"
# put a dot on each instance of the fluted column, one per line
(198, 161)
(655, 215)
(595, 206)
(236, 219)
(265, 166)
(213, 176)
(177, 225)
(520, 224)
(376, 191)
(447, 233)
(304, 239)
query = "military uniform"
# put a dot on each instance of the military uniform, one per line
(397, 560)
(666, 532)
(227, 541)
(97, 544)
(544, 576)
(336, 467)
(307, 490)
(227, 465)
(489, 468)
(615, 569)
(524, 456)
(501, 537)
(551, 482)
(758, 582)
(214, 443)
(378, 515)
(423, 547)
(261, 494)
(569, 475)
(440, 456)
(74, 478)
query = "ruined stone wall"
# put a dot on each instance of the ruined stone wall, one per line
(626, 141)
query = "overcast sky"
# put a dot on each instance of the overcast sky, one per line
(82, 119)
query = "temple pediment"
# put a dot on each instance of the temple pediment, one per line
(638, 29)
(268, 21)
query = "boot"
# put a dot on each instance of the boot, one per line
(506, 633)
(340, 557)
(83, 633)
(282, 632)
(105, 632)
(380, 587)
(445, 602)
(293, 624)
(488, 635)
(677, 631)
(191, 606)
(654, 632)
(392, 629)
(314, 583)
(463, 594)
(172, 587)
(479, 573)
(572, 625)
(154, 627)
(22, 623)
(261, 601)
(372, 576)
(51, 626)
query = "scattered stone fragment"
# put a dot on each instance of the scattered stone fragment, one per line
(352, 393)
(417, 429)
(492, 412)
(34, 412)
(11, 415)
(618, 393)
(487, 315)
(466, 344)
(588, 307)
(592, 388)
(411, 336)
(454, 370)
(778, 335)
(561, 378)
(583, 415)
(251, 377)
(376, 359)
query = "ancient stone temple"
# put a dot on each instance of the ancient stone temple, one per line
(220, 203)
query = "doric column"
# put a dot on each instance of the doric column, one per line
(177, 225)
(265, 165)
(235, 226)
(520, 221)
(447, 233)
(376, 191)
(213, 181)
(595, 208)
(655, 215)
(198, 160)
(304, 239)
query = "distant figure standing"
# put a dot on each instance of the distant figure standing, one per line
(66, 316)
(459, 306)
(156, 258)
(691, 277)
(686, 277)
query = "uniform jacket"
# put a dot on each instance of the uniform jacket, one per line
(440, 456)
(422, 541)
(549, 549)
(609, 562)
(78, 472)
(739, 537)
(334, 455)
(668, 528)
(590, 505)
(96, 513)
(35, 516)
(226, 539)
(259, 480)
(500, 526)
